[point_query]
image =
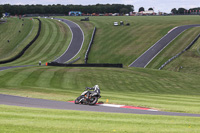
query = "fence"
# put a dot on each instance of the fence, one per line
(90, 45)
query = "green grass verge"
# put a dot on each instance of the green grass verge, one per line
(162, 90)
(23, 120)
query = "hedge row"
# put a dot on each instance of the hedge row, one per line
(25, 48)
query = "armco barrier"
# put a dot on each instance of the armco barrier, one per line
(174, 57)
(24, 49)
(73, 61)
(84, 65)
(90, 45)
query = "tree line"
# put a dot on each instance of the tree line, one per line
(1, 11)
(65, 9)
(182, 11)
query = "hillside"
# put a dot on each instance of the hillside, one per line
(162, 90)
(54, 39)
(123, 44)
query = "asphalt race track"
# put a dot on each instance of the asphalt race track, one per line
(50, 104)
(75, 44)
(9, 67)
(153, 51)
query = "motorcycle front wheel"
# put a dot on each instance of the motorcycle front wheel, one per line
(77, 101)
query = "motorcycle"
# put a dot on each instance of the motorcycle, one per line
(88, 98)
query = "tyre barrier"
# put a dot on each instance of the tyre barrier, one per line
(174, 57)
(25, 48)
(84, 65)
(90, 45)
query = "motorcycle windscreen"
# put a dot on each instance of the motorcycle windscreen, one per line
(84, 92)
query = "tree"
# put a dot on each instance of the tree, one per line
(1, 11)
(124, 10)
(141, 9)
(181, 10)
(150, 9)
(174, 11)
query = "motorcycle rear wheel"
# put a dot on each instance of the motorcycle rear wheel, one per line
(94, 101)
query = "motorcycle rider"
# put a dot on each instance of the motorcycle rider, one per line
(96, 90)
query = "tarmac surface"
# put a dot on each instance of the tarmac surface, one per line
(50, 104)
(153, 51)
(10, 67)
(75, 44)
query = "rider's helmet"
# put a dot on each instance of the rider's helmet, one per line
(96, 87)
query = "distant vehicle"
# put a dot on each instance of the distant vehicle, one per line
(116, 24)
(85, 19)
(115, 14)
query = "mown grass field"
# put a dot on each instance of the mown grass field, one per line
(54, 39)
(162, 90)
(19, 33)
(23, 120)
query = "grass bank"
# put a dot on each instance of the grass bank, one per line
(188, 62)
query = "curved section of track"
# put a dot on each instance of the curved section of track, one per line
(153, 51)
(75, 44)
(50, 104)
